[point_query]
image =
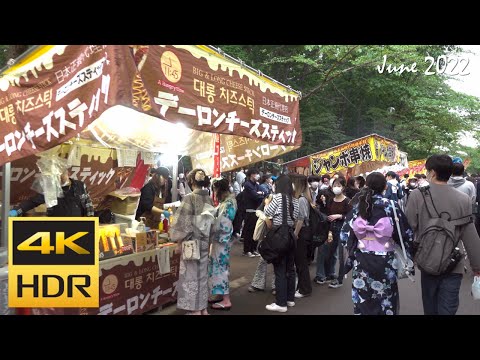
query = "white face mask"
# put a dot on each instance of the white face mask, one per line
(257, 177)
(337, 190)
(314, 185)
(323, 187)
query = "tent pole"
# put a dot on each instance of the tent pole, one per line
(174, 181)
(5, 204)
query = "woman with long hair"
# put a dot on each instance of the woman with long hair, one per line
(371, 232)
(219, 267)
(303, 233)
(192, 284)
(351, 189)
(284, 268)
(337, 209)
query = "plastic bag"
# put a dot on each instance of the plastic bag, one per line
(51, 167)
(476, 288)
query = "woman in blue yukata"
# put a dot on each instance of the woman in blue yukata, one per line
(219, 266)
(371, 234)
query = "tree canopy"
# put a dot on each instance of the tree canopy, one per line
(345, 96)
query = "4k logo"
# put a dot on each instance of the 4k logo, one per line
(53, 262)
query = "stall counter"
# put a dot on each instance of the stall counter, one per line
(132, 284)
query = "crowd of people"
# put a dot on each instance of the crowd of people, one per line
(345, 225)
(364, 222)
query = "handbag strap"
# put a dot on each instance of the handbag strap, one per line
(284, 210)
(397, 222)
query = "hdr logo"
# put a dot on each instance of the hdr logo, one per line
(53, 262)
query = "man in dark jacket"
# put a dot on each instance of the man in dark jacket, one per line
(252, 196)
(75, 202)
(155, 193)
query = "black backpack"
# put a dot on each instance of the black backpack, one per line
(240, 214)
(319, 226)
(279, 240)
(437, 251)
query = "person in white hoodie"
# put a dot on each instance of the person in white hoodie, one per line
(238, 184)
(460, 183)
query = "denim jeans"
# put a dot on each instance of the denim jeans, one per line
(440, 294)
(328, 253)
(285, 279)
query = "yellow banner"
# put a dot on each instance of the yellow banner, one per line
(354, 153)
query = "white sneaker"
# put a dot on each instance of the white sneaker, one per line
(290, 303)
(249, 254)
(298, 295)
(275, 307)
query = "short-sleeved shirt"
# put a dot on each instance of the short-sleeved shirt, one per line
(274, 210)
(303, 210)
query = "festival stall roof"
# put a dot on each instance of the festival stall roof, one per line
(354, 157)
(56, 92)
(166, 98)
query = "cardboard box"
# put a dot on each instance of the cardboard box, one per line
(146, 241)
(124, 204)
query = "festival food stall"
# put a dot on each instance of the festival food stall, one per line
(418, 167)
(353, 158)
(110, 111)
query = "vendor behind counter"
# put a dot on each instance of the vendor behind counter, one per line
(154, 195)
(63, 196)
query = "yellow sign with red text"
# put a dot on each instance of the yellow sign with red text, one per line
(372, 148)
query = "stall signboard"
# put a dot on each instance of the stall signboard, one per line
(418, 167)
(97, 168)
(58, 91)
(55, 93)
(340, 158)
(130, 285)
(235, 152)
(414, 167)
(208, 92)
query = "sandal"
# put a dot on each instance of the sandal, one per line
(215, 299)
(220, 307)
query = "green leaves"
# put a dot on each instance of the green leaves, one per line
(345, 97)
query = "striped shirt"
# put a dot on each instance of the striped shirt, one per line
(274, 209)
(303, 210)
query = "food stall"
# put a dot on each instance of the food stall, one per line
(110, 110)
(353, 158)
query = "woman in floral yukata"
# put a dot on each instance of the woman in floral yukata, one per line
(219, 265)
(371, 233)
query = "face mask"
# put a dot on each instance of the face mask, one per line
(337, 190)
(323, 187)
(314, 185)
(257, 177)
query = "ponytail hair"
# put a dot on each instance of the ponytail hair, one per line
(375, 185)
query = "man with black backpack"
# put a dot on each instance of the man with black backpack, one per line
(441, 217)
